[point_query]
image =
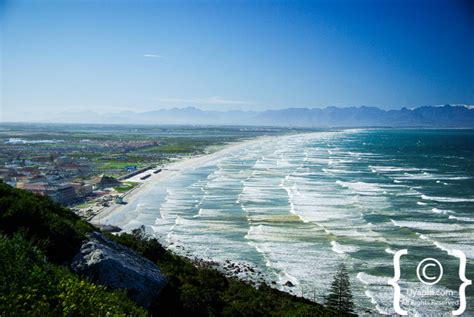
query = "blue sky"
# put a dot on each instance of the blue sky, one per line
(252, 55)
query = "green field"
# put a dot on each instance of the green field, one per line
(125, 187)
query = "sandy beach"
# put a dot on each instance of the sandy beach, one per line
(167, 172)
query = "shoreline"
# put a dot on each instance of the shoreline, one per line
(239, 270)
(167, 171)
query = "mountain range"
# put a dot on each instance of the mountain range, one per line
(451, 116)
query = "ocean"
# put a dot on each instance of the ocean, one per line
(296, 206)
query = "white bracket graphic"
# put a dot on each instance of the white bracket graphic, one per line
(394, 282)
(462, 276)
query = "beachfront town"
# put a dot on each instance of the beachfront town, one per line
(91, 167)
(86, 175)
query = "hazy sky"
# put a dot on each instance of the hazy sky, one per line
(142, 55)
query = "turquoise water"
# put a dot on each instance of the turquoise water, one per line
(296, 206)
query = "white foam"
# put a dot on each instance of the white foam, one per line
(422, 225)
(341, 249)
(284, 277)
(368, 279)
(455, 177)
(340, 171)
(392, 169)
(422, 236)
(361, 187)
(441, 211)
(422, 176)
(442, 247)
(447, 199)
(468, 249)
(465, 219)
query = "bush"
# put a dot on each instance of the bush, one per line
(60, 230)
(29, 285)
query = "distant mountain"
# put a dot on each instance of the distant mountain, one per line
(427, 116)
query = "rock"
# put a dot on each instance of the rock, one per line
(108, 228)
(109, 263)
(289, 284)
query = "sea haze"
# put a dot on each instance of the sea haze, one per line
(297, 206)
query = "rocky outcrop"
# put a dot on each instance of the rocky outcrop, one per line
(109, 263)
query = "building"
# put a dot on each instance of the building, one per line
(63, 160)
(82, 189)
(63, 194)
(104, 181)
(40, 188)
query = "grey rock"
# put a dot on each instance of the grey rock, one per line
(109, 263)
(108, 228)
(288, 284)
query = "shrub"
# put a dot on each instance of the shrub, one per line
(60, 230)
(30, 285)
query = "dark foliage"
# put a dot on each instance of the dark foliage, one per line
(32, 286)
(60, 231)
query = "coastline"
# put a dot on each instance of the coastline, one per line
(166, 172)
(241, 271)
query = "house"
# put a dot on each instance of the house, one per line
(63, 160)
(40, 188)
(104, 181)
(38, 179)
(82, 189)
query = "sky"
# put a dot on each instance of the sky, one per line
(109, 56)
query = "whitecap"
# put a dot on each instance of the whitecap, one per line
(391, 169)
(447, 199)
(424, 225)
(441, 211)
(465, 219)
(369, 279)
(341, 249)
